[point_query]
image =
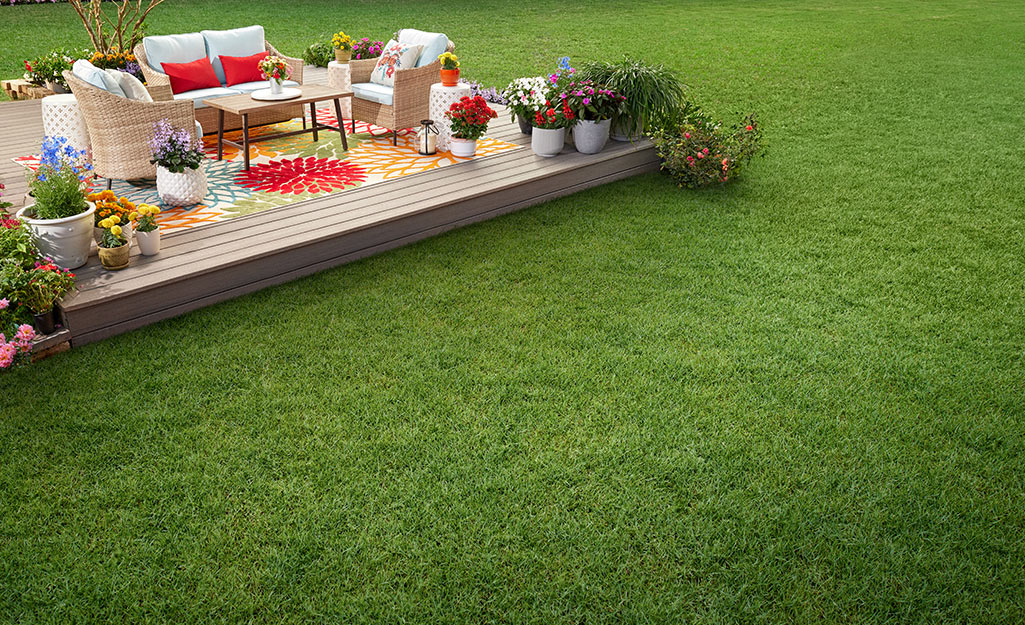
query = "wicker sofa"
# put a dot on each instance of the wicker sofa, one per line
(191, 46)
(407, 102)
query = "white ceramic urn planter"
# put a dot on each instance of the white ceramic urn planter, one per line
(185, 189)
(462, 147)
(547, 142)
(66, 241)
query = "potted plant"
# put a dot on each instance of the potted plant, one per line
(114, 252)
(449, 69)
(147, 230)
(178, 156)
(366, 49)
(46, 284)
(109, 204)
(652, 92)
(469, 118)
(276, 71)
(60, 217)
(342, 44)
(550, 124)
(526, 96)
(594, 106)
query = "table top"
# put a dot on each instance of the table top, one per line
(244, 103)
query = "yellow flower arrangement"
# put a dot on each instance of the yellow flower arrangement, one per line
(448, 60)
(113, 234)
(109, 204)
(341, 41)
(147, 218)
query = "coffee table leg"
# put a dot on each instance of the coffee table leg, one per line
(341, 124)
(220, 134)
(313, 117)
(245, 139)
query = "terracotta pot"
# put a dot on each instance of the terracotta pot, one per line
(450, 77)
(114, 258)
(343, 56)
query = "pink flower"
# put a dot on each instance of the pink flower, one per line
(587, 101)
(4, 303)
(700, 155)
(705, 151)
(687, 135)
(7, 353)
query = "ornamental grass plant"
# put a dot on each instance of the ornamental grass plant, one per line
(653, 92)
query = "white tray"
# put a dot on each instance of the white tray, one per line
(287, 93)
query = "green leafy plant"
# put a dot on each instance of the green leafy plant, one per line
(16, 243)
(653, 92)
(701, 152)
(50, 67)
(112, 236)
(319, 53)
(46, 285)
(58, 184)
(147, 218)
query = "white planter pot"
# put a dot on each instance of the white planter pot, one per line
(547, 142)
(184, 189)
(149, 242)
(67, 240)
(591, 136)
(275, 86)
(462, 147)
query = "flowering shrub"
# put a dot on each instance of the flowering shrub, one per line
(701, 152)
(592, 102)
(121, 61)
(275, 68)
(108, 204)
(366, 49)
(526, 96)
(147, 218)
(16, 243)
(58, 184)
(341, 41)
(46, 284)
(470, 117)
(49, 67)
(175, 149)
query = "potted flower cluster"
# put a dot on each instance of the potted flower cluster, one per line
(30, 285)
(48, 70)
(594, 107)
(550, 124)
(114, 251)
(59, 215)
(469, 118)
(45, 285)
(526, 96)
(109, 204)
(365, 48)
(178, 156)
(147, 230)
(449, 69)
(276, 71)
(342, 45)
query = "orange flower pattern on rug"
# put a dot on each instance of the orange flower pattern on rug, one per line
(302, 175)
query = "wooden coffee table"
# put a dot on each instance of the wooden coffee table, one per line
(243, 105)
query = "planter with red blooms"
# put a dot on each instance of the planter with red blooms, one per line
(469, 118)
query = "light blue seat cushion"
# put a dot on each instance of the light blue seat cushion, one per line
(96, 77)
(245, 41)
(433, 44)
(373, 92)
(198, 95)
(173, 49)
(249, 87)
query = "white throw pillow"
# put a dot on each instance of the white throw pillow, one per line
(132, 86)
(395, 56)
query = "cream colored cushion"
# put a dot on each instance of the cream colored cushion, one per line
(394, 57)
(132, 86)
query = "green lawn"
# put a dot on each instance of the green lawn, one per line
(796, 399)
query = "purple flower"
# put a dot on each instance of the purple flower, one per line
(587, 100)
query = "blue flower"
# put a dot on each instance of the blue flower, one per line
(564, 63)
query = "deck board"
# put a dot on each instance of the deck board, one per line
(212, 263)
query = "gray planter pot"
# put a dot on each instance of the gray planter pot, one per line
(618, 132)
(547, 142)
(590, 137)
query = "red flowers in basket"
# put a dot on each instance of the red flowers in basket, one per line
(470, 117)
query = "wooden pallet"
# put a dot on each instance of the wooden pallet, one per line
(20, 89)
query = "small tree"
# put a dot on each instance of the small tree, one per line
(127, 28)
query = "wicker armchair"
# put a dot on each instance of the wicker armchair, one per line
(159, 86)
(411, 99)
(120, 129)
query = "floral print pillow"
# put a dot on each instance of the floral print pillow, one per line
(395, 56)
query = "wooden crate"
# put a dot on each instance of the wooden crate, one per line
(20, 89)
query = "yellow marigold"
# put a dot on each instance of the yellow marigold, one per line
(116, 230)
(129, 205)
(108, 196)
(133, 216)
(116, 219)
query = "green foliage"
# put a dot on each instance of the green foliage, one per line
(701, 152)
(58, 184)
(46, 285)
(16, 243)
(319, 53)
(653, 92)
(50, 66)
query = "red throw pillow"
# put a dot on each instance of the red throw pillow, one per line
(240, 69)
(198, 74)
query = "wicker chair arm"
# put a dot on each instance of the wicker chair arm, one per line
(360, 69)
(412, 86)
(294, 64)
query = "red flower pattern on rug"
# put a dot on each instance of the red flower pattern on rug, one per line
(302, 175)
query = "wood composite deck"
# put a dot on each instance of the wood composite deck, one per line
(216, 262)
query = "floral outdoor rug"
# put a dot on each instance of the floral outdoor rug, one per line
(291, 169)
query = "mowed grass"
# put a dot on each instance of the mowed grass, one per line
(795, 399)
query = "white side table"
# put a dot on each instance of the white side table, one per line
(442, 98)
(62, 118)
(338, 77)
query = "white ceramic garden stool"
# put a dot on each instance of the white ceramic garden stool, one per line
(62, 118)
(339, 77)
(442, 98)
